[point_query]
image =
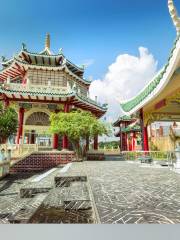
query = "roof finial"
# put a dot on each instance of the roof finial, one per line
(47, 41)
(174, 15)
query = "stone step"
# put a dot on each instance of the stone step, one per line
(65, 181)
(27, 211)
(66, 205)
(73, 174)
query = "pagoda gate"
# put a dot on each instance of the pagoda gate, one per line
(128, 133)
(160, 99)
(37, 84)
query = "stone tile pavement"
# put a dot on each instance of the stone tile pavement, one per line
(127, 193)
(123, 192)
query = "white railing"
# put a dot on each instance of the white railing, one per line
(168, 157)
(11, 153)
(4, 168)
(35, 88)
(19, 150)
(5, 157)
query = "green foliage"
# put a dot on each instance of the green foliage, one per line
(152, 146)
(8, 122)
(77, 125)
(109, 145)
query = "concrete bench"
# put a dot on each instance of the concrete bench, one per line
(145, 159)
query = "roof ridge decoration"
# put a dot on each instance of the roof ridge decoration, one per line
(174, 15)
(47, 50)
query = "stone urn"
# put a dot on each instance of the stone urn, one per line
(177, 154)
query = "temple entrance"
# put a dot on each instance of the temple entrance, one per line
(36, 130)
(36, 137)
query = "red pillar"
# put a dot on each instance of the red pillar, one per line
(6, 102)
(133, 142)
(96, 142)
(126, 146)
(65, 143)
(20, 128)
(145, 144)
(55, 141)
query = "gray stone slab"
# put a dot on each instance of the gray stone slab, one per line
(26, 212)
(75, 173)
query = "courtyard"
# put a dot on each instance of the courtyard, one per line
(120, 191)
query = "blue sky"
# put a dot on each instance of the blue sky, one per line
(96, 30)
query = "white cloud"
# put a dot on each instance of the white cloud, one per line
(124, 79)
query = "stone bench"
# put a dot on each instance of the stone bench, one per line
(145, 159)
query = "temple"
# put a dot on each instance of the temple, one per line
(159, 100)
(37, 84)
(128, 133)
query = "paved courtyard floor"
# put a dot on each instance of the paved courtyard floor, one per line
(128, 193)
(123, 192)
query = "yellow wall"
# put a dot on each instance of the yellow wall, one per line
(163, 143)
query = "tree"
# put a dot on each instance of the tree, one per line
(77, 126)
(8, 123)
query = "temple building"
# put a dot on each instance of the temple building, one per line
(128, 133)
(37, 84)
(159, 100)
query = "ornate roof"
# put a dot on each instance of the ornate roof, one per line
(122, 119)
(156, 84)
(43, 59)
(51, 94)
(174, 15)
(129, 129)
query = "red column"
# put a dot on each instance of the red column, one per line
(20, 128)
(96, 142)
(6, 102)
(126, 147)
(65, 138)
(55, 141)
(133, 142)
(145, 145)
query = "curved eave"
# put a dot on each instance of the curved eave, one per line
(124, 119)
(36, 93)
(79, 101)
(7, 63)
(45, 54)
(91, 103)
(156, 85)
(127, 130)
(25, 65)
